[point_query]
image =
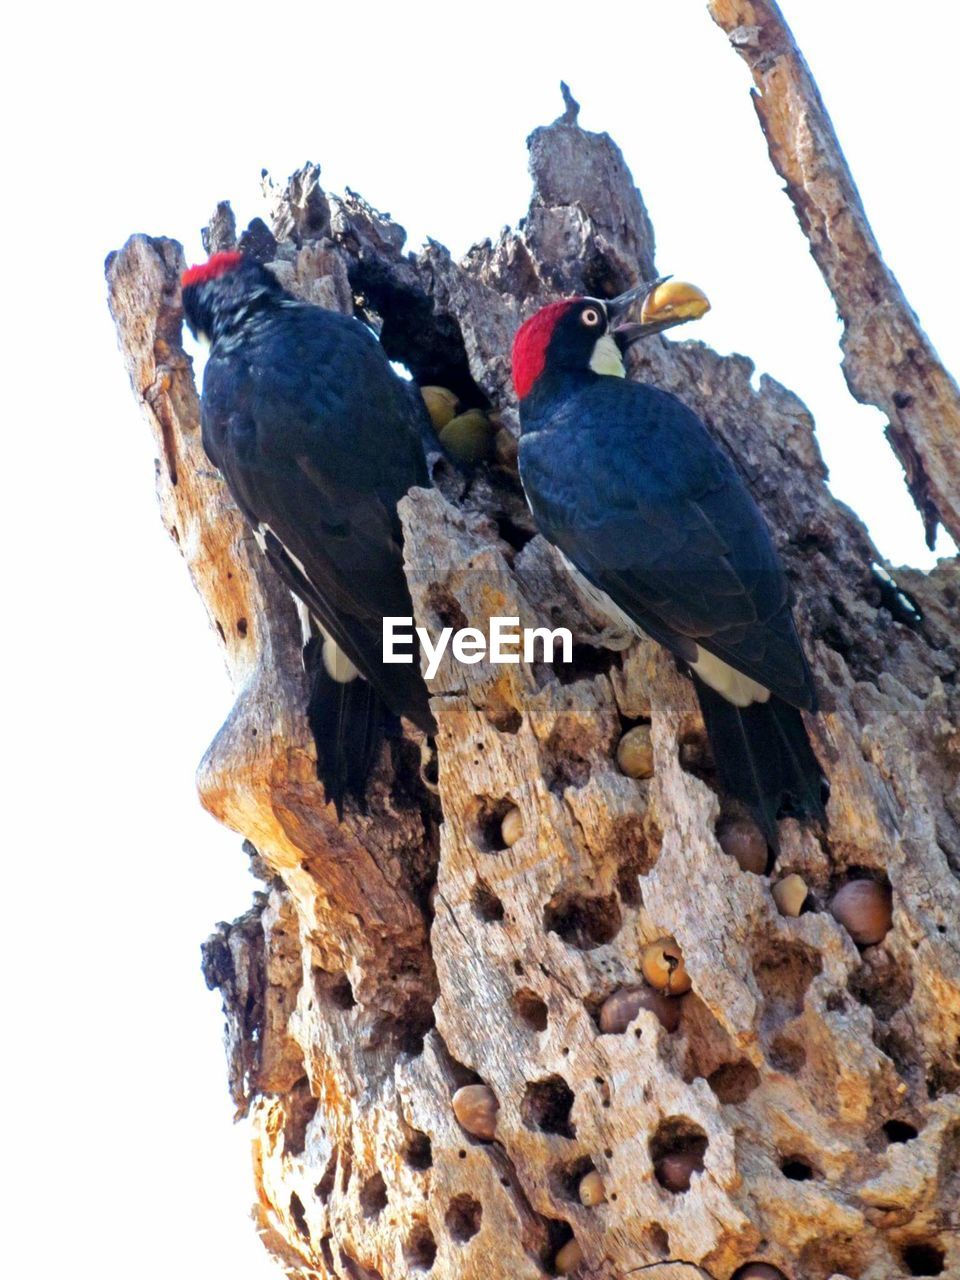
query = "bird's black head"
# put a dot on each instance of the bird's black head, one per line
(581, 334)
(222, 294)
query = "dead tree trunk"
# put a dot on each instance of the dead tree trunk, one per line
(812, 1084)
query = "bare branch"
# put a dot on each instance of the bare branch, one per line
(888, 360)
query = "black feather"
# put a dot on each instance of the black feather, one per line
(764, 758)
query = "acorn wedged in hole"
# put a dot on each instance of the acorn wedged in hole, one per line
(743, 840)
(635, 752)
(468, 437)
(620, 1008)
(663, 967)
(511, 828)
(568, 1258)
(591, 1189)
(790, 894)
(675, 1169)
(476, 1107)
(758, 1271)
(442, 404)
(865, 909)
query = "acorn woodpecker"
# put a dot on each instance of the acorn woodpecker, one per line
(662, 533)
(318, 439)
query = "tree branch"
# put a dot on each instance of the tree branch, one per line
(888, 361)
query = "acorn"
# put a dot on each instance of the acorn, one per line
(568, 1258)
(865, 909)
(742, 839)
(511, 828)
(676, 1168)
(620, 1008)
(663, 967)
(790, 894)
(476, 1107)
(441, 405)
(591, 1189)
(672, 301)
(758, 1271)
(635, 752)
(468, 437)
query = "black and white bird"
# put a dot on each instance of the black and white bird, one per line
(318, 439)
(658, 526)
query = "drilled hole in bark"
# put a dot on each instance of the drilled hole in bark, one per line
(696, 757)
(899, 1131)
(420, 1248)
(706, 1043)
(635, 849)
(903, 1052)
(587, 661)
(923, 1260)
(501, 713)
(242, 628)
(583, 922)
(486, 905)
(733, 1082)
(565, 1178)
(487, 823)
(418, 1153)
(334, 989)
(796, 1169)
(784, 971)
(300, 1107)
(326, 1252)
(464, 1214)
(530, 1009)
(298, 1214)
(373, 1196)
(657, 1241)
(513, 533)
(324, 1188)
(787, 1055)
(566, 760)
(446, 608)
(677, 1150)
(406, 1031)
(356, 1270)
(546, 1106)
(831, 1255)
(559, 1233)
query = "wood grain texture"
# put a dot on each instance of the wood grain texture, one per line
(392, 960)
(888, 360)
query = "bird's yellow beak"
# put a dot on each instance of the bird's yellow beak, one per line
(663, 304)
(673, 302)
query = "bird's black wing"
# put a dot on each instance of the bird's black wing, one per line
(629, 484)
(318, 440)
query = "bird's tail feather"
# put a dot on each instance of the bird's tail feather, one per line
(348, 720)
(764, 758)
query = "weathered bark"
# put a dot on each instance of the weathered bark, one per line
(358, 1001)
(888, 360)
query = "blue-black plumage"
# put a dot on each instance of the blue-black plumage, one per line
(627, 482)
(318, 439)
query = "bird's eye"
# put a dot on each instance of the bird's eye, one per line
(590, 316)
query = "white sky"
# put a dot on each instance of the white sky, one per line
(126, 118)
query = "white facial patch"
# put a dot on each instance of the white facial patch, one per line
(606, 358)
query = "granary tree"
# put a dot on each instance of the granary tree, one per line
(795, 1113)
